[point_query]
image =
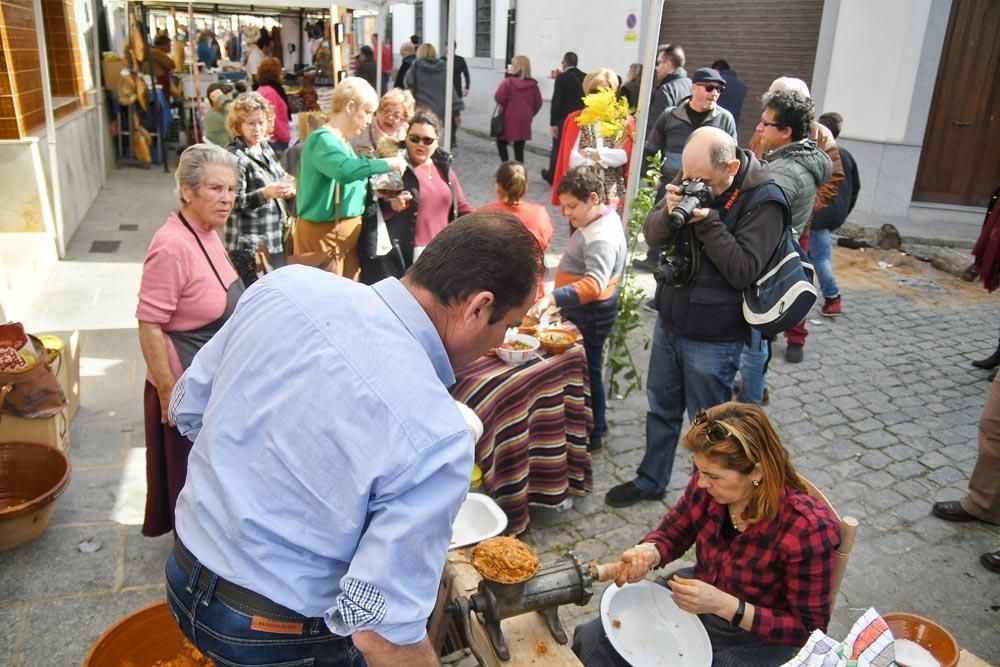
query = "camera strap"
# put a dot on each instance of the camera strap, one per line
(732, 199)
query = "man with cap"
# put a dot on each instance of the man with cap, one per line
(675, 124)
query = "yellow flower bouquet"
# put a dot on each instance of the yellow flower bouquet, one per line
(609, 112)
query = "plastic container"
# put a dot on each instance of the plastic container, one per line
(32, 475)
(476, 483)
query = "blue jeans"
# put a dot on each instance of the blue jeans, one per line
(753, 369)
(683, 373)
(595, 321)
(223, 633)
(820, 250)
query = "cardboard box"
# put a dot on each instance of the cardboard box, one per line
(112, 71)
(52, 431)
(67, 370)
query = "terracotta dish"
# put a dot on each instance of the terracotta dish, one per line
(556, 341)
(32, 476)
(927, 633)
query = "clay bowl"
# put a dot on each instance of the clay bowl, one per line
(148, 636)
(927, 633)
(32, 476)
(555, 340)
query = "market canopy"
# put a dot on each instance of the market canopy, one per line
(251, 5)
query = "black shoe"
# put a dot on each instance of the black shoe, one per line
(644, 264)
(991, 561)
(991, 361)
(767, 397)
(794, 353)
(952, 510)
(547, 176)
(596, 442)
(628, 494)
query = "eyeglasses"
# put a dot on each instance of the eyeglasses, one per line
(417, 139)
(716, 432)
(764, 123)
(711, 89)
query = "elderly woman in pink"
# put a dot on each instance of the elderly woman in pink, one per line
(189, 289)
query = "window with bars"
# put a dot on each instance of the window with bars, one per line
(484, 25)
(418, 19)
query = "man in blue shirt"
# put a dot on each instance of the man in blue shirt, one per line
(329, 459)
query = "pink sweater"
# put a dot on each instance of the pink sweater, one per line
(281, 131)
(435, 202)
(179, 291)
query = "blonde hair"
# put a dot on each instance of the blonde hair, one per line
(401, 98)
(244, 105)
(513, 181)
(520, 66)
(753, 442)
(426, 51)
(353, 89)
(600, 79)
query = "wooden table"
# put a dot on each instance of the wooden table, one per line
(537, 420)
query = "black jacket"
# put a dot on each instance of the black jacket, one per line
(668, 93)
(402, 226)
(734, 242)
(833, 215)
(567, 96)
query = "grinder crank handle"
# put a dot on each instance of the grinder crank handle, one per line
(604, 571)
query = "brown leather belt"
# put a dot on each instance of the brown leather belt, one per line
(242, 599)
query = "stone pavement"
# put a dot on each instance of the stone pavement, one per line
(881, 415)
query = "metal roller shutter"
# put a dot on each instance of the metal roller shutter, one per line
(761, 39)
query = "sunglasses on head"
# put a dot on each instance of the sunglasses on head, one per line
(711, 89)
(417, 139)
(716, 432)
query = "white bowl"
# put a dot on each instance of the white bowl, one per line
(478, 519)
(518, 357)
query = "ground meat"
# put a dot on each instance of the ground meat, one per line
(505, 559)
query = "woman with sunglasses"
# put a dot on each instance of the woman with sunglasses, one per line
(431, 199)
(764, 548)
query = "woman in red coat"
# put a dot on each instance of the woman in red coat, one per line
(519, 100)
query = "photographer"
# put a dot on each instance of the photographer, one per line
(717, 240)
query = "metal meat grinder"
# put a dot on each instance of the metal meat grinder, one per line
(568, 580)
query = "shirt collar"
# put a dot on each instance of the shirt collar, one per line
(415, 319)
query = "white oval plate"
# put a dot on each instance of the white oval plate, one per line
(478, 519)
(648, 629)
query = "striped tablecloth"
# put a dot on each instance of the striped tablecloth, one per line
(536, 420)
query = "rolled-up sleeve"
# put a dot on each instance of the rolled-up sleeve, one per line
(391, 585)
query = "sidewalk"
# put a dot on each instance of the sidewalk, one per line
(881, 415)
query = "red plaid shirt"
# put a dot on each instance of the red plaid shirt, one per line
(783, 567)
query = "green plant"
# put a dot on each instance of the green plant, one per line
(623, 374)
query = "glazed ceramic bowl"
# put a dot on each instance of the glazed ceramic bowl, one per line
(149, 636)
(518, 349)
(927, 633)
(32, 476)
(556, 340)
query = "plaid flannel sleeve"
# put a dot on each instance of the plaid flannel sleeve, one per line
(677, 529)
(809, 548)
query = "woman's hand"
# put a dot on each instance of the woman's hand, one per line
(164, 391)
(279, 190)
(699, 597)
(396, 163)
(635, 563)
(400, 202)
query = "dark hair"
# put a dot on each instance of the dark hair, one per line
(489, 250)
(415, 40)
(513, 180)
(367, 52)
(793, 111)
(672, 52)
(833, 122)
(720, 65)
(580, 182)
(570, 59)
(162, 40)
(424, 116)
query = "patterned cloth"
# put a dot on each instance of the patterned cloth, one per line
(783, 567)
(536, 419)
(254, 218)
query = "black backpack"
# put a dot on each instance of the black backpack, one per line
(781, 296)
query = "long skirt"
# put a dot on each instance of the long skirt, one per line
(166, 467)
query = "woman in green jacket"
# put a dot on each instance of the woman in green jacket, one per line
(333, 181)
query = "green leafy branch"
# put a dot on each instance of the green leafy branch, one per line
(623, 374)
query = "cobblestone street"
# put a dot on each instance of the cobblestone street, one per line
(882, 415)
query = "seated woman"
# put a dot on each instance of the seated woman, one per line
(432, 198)
(511, 185)
(764, 548)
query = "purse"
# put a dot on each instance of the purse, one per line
(327, 261)
(783, 293)
(496, 122)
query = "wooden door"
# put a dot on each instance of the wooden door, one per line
(960, 160)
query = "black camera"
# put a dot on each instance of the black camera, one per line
(675, 267)
(696, 194)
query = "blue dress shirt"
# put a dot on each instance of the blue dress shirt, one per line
(329, 460)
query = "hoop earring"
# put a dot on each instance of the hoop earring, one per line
(756, 483)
